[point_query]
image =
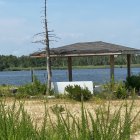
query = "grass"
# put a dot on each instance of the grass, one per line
(6, 90)
(59, 122)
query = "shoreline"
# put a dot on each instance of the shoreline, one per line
(74, 67)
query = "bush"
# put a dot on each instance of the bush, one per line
(33, 89)
(5, 90)
(121, 92)
(114, 91)
(133, 82)
(77, 93)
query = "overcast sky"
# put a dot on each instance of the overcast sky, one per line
(113, 21)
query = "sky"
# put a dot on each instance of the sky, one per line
(112, 21)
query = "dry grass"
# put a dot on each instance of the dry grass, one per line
(36, 109)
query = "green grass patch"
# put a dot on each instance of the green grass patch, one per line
(16, 123)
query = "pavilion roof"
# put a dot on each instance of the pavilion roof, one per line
(88, 49)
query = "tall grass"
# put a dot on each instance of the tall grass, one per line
(16, 124)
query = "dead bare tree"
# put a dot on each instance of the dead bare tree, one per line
(45, 41)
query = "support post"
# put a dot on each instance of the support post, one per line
(111, 67)
(70, 68)
(32, 75)
(128, 65)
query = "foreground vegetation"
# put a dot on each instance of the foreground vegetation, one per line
(60, 123)
(102, 124)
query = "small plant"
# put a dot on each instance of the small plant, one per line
(77, 93)
(21, 96)
(57, 109)
(133, 94)
(61, 96)
(114, 91)
(133, 82)
(51, 92)
(110, 87)
(121, 92)
(32, 89)
(5, 90)
(105, 95)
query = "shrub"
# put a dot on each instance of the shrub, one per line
(77, 93)
(110, 87)
(32, 89)
(133, 82)
(5, 90)
(121, 91)
(114, 91)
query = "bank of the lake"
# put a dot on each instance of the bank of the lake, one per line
(74, 67)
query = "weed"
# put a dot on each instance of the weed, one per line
(32, 89)
(57, 109)
(121, 92)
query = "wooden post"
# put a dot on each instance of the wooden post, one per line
(32, 75)
(111, 67)
(70, 68)
(128, 65)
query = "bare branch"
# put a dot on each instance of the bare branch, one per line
(39, 41)
(39, 34)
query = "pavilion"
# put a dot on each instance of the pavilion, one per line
(97, 48)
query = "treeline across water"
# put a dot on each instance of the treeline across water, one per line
(18, 63)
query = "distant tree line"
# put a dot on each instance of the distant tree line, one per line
(8, 62)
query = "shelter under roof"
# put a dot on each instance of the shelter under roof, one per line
(97, 48)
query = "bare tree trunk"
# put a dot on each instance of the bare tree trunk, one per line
(48, 61)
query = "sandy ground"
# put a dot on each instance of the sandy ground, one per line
(36, 109)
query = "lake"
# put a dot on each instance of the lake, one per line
(95, 75)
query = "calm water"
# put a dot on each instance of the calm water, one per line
(96, 75)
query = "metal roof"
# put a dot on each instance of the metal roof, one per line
(88, 49)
